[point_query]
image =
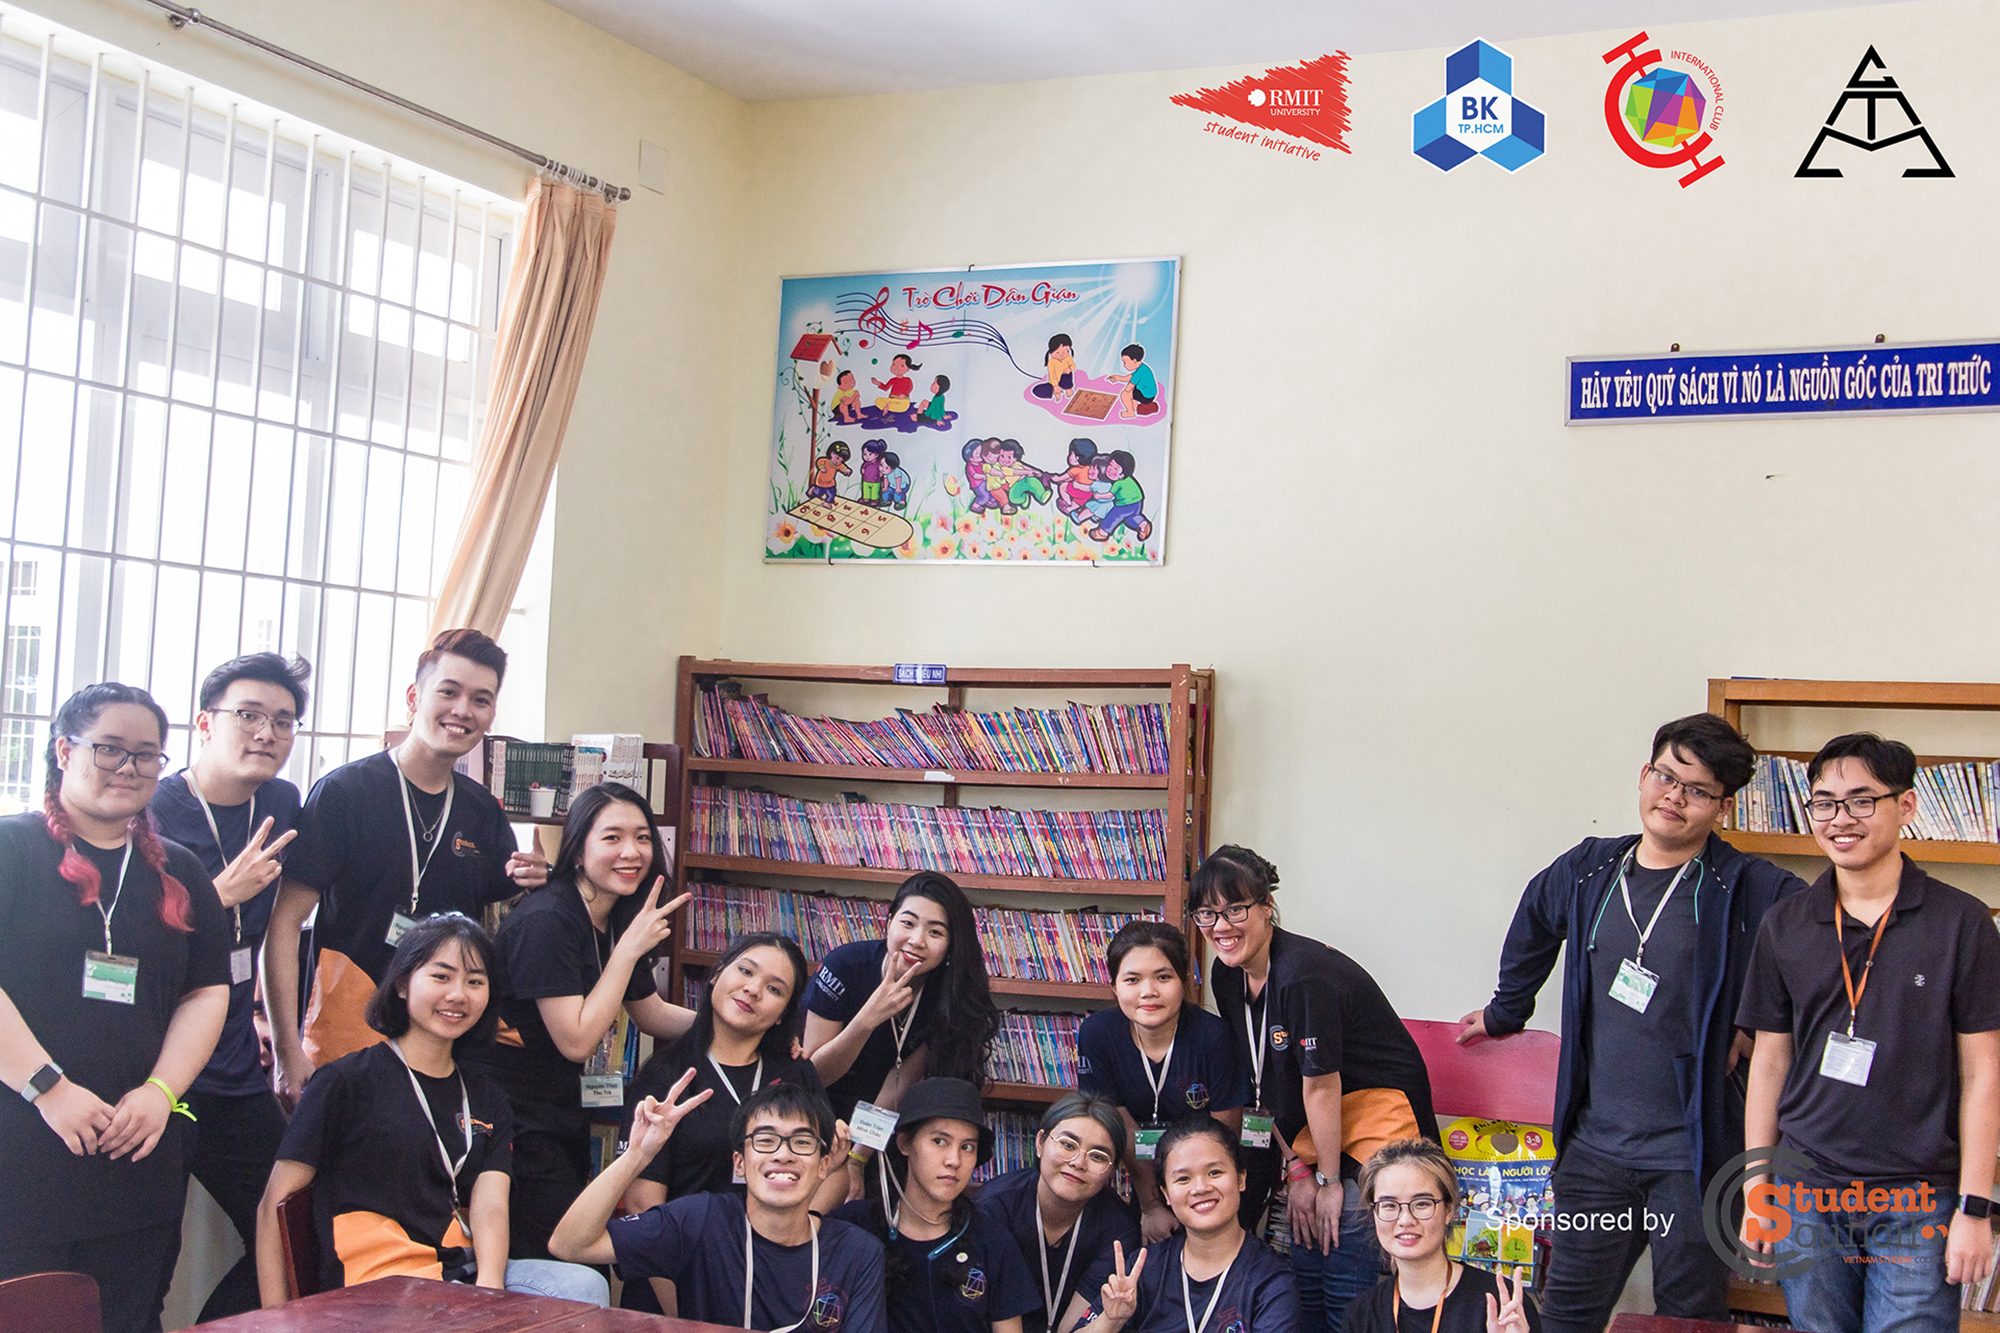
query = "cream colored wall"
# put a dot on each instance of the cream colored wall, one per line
(1444, 624)
(635, 519)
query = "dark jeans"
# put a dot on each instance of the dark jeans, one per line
(235, 1141)
(1872, 1272)
(1590, 1261)
(132, 1270)
(1329, 1283)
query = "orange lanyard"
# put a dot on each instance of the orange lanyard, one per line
(1854, 993)
(1437, 1315)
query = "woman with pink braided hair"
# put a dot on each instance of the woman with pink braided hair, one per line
(114, 979)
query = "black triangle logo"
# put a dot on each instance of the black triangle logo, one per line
(1871, 114)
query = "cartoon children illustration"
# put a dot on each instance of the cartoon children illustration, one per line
(974, 454)
(827, 468)
(1100, 492)
(895, 483)
(1059, 364)
(1126, 498)
(1073, 490)
(872, 472)
(1010, 481)
(934, 405)
(897, 388)
(1136, 399)
(846, 399)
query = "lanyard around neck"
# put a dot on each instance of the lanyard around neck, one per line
(901, 1031)
(750, 1266)
(1187, 1292)
(1050, 1295)
(1159, 1086)
(125, 863)
(1437, 1315)
(756, 1079)
(215, 832)
(1256, 1036)
(1854, 993)
(1625, 889)
(464, 1114)
(419, 866)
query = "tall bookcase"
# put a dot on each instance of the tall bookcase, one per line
(1182, 792)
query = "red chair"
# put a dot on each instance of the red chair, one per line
(300, 1243)
(1494, 1078)
(50, 1303)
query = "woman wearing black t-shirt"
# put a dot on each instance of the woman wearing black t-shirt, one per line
(1412, 1192)
(742, 1041)
(114, 981)
(572, 954)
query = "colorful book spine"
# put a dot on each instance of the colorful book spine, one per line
(1956, 802)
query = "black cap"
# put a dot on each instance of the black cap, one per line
(946, 1099)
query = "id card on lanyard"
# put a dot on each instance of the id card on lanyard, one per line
(451, 1168)
(240, 965)
(400, 924)
(110, 976)
(603, 1081)
(1259, 1125)
(1634, 986)
(1848, 1058)
(1146, 1142)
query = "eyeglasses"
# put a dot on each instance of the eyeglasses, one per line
(801, 1141)
(1422, 1208)
(1668, 784)
(1823, 808)
(253, 721)
(111, 758)
(1235, 914)
(1069, 1148)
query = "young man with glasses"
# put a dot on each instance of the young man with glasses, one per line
(1875, 997)
(232, 810)
(759, 1259)
(1647, 1109)
(385, 841)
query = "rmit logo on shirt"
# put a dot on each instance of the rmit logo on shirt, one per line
(1308, 1043)
(829, 983)
(463, 846)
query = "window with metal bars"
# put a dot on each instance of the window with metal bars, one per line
(243, 365)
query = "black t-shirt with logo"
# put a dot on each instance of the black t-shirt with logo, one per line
(383, 1202)
(1204, 1074)
(698, 1158)
(353, 849)
(48, 1194)
(964, 1282)
(846, 978)
(1258, 1294)
(1010, 1200)
(1374, 1311)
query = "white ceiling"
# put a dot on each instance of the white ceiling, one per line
(778, 50)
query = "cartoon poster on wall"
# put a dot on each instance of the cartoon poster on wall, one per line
(1017, 415)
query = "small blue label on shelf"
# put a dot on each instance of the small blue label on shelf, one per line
(920, 673)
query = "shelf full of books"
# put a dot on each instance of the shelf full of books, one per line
(770, 844)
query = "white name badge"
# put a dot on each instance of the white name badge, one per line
(399, 926)
(1146, 1143)
(1257, 1129)
(110, 976)
(240, 965)
(601, 1090)
(1633, 987)
(1847, 1059)
(871, 1126)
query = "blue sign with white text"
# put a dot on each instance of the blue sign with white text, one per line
(1840, 381)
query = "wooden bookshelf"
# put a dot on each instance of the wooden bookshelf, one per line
(1183, 793)
(1767, 1300)
(1728, 697)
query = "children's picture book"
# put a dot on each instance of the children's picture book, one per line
(1014, 415)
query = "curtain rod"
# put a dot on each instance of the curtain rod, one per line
(181, 16)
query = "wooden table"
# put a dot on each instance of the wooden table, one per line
(1653, 1323)
(391, 1304)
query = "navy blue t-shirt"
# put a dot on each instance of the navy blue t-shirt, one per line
(235, 1070)
(845, 980)
(1205, 1075)
(963, 1283)
(1010, 1201)
(1258, 1294)
(696, 1243)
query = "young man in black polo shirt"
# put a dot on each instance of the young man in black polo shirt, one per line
(1875, 997)
(386, 841)
(1659, 928)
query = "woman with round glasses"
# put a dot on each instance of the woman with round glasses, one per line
(114, 981)
(1157, 1056)
(1059, 1210)
(1212, 1274)
(1412, 1193)
(1334, 1074)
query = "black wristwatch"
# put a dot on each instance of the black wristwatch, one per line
(42, 1080)
(1972, 1205)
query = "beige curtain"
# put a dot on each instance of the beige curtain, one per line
(544, 333)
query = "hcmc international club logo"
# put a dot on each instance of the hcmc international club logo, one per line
(1478, 116)
(1663, 115)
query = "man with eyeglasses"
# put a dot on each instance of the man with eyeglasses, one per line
(1648, 1106)
(759, 1259)
(232, 810)
(1875, 997)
